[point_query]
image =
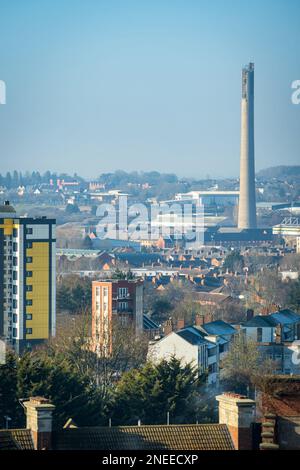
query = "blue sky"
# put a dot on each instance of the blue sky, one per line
(99, 85)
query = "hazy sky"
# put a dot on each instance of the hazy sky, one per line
(99, 85)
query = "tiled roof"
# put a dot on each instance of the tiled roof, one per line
(16, 439)
(173, 437)
(211, 297)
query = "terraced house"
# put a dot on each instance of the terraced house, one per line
(27, 279)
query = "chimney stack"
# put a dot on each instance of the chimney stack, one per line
(238, 413)
(247, 202)
(180, 323)
(249, 314)
(39, 420)
(168, 327)
(199, 320)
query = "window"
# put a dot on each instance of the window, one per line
(123, 306)
(28, 316)
(28, 259)
(259, 335)
(29, 302)
(15, 303)
(29, 331)
(29, 231)
(211, 352)
(15, 275)
(15, 232)
(15, 289)
(29, 245)
(15, 246)
(212, 368)
(15, 332)
(15, 261)
(28, 288)
(15, 318)
(123, 292)
(28, 273)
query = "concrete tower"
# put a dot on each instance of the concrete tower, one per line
(247, 203)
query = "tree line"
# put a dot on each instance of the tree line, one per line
(16, 178)
(92, 389)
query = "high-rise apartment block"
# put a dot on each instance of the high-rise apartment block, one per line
(27, 279)
(115, 303)
(247, 200)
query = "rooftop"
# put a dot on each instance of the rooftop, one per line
(218, 327)
(168, 437)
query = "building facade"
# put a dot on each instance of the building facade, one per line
(115, 301)
(27, 279)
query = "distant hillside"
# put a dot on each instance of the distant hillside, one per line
(282, 171)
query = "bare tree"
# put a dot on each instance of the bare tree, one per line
(244, 366)
(74, 344)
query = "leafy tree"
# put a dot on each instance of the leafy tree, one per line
(293, 299)
(72, 209)
(74, 294)
(152, 391)
(57, 379)
(9, 405)
(234, 261)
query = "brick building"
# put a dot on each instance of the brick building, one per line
(115, 301)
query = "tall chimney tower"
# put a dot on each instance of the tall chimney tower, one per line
(247, 203)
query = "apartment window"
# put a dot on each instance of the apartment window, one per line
(29, 231)
(15, 290)
(15, 275)
(15, 246)
(15, 261)
(28, 273)
(28, 316)
(123, 292)
(212, 368)
(28, 259)
(15, 232)
(15, 318)
(15, 303)
(211, 352)
(29, 302)
(28, 288)
(123, 306)
(259, 335)
(29, 245)
(15, 332)
(29, 331)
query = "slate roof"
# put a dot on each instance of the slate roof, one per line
(191, 335)
(261, 321)
(16, 439)
(286, 317)
(172, 437)
(149, 324)
(218, 327)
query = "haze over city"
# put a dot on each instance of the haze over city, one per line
(146, 85)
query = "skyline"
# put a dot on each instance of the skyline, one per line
(158, 85)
